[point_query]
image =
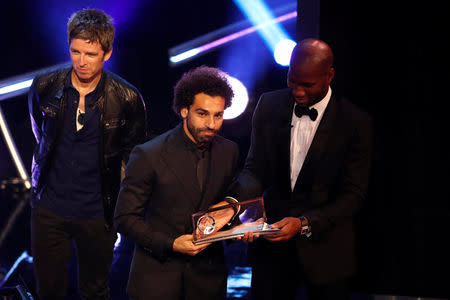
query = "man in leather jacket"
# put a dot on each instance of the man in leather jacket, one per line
(86, 120)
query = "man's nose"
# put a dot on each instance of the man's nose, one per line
(211, 122)
(298, 91)
(82, 60)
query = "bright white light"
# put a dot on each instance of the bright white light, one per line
(239, 101)
(283, 51)
(16, 87)
(262, 21)
(184, 55)
(117, 243)
(13, 150)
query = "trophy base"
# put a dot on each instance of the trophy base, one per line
(260, 229)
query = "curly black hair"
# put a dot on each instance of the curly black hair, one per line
(203, 79)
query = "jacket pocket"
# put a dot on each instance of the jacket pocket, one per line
(114, 123)
(50, 110)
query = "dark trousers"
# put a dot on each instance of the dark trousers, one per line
(51, 239)
(180, 277)
(279, 275)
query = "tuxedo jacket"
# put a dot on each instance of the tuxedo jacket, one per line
(158, 195)
(330, 187)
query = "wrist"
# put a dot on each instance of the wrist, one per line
(305, 227)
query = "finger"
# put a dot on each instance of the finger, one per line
(278, 224)
(275, 225)
(274, 237)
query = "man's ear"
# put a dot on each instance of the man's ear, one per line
(184, 112)
(330, 75)
(107, 55)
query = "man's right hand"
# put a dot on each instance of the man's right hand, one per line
(185, 244)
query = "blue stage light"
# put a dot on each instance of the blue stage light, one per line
(15, 87)
(190, 49)
(23, 257)
(259, 13)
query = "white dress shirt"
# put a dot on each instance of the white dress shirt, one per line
(302, 133)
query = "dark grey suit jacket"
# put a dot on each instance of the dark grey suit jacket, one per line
(330, 187)
(158, 195)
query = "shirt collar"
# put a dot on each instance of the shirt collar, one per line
(319, 106)
(322, 104)
(190, 145)
(88, 96)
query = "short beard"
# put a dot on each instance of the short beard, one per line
(196, 134)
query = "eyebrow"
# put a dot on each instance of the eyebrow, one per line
(89, 53)
(207, 111)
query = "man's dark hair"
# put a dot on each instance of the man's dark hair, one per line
(207, 80)
(93, 25)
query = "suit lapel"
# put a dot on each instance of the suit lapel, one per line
(283, 136)
(179, 162)
(320, 141)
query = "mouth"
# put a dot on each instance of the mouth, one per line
(83, 71)
(208, 132)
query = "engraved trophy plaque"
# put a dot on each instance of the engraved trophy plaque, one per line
(231, 221)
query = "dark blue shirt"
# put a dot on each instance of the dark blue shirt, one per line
(73, 185)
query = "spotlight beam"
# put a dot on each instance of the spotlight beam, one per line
(13, 151)
(201, 45)
(18, 85)
(259, 13)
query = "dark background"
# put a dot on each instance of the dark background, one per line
(391, 59)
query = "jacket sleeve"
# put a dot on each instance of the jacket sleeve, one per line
(249, 183)
(132, 203)
(352, 181)
(136, 118)
(33, 108)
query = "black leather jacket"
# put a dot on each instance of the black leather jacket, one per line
(122, 126)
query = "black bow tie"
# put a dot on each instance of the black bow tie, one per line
(302, 110)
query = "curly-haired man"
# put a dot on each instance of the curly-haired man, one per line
(169, 178)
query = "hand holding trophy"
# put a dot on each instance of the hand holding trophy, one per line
(213, 220)
(242, 217)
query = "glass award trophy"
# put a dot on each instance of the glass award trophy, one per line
(231, 221)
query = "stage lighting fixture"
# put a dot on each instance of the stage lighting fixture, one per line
(13, 151)
(200, 45)
(283, 51)
(13, 87)
(22, 257)
(16, 87)
(240, 99)
(259, 13)
(239, 279)
(19, 85)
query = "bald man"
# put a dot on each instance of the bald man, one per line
(310, 156)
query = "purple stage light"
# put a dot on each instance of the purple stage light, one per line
(195, 51)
